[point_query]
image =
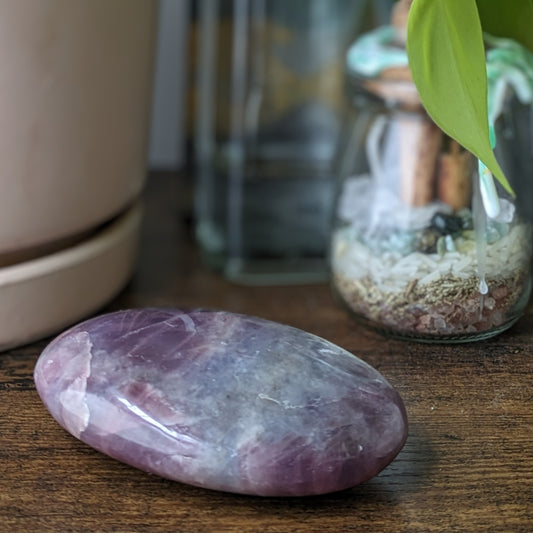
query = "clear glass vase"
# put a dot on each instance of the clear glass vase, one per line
(268, 119)
(414, 253)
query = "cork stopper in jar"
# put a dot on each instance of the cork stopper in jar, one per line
(399, 16)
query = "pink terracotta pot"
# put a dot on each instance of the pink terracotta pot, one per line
(75, 87)
(75, 95)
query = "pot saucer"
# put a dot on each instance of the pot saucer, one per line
(41, 296)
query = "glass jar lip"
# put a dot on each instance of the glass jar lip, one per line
(377, 63)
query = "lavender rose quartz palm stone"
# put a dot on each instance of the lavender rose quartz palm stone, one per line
(222, 401)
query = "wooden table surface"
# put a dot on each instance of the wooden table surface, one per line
(467, 464)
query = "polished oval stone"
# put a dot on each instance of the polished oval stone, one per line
(223, 401)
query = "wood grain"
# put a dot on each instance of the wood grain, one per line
(467, 464)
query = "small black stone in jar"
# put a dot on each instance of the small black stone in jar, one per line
(446, 224)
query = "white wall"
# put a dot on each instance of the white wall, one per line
(167, 150)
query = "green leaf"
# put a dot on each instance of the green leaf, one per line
(447, 60)
(511, 19)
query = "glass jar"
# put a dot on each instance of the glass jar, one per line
(268, 119)
(413, 252)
